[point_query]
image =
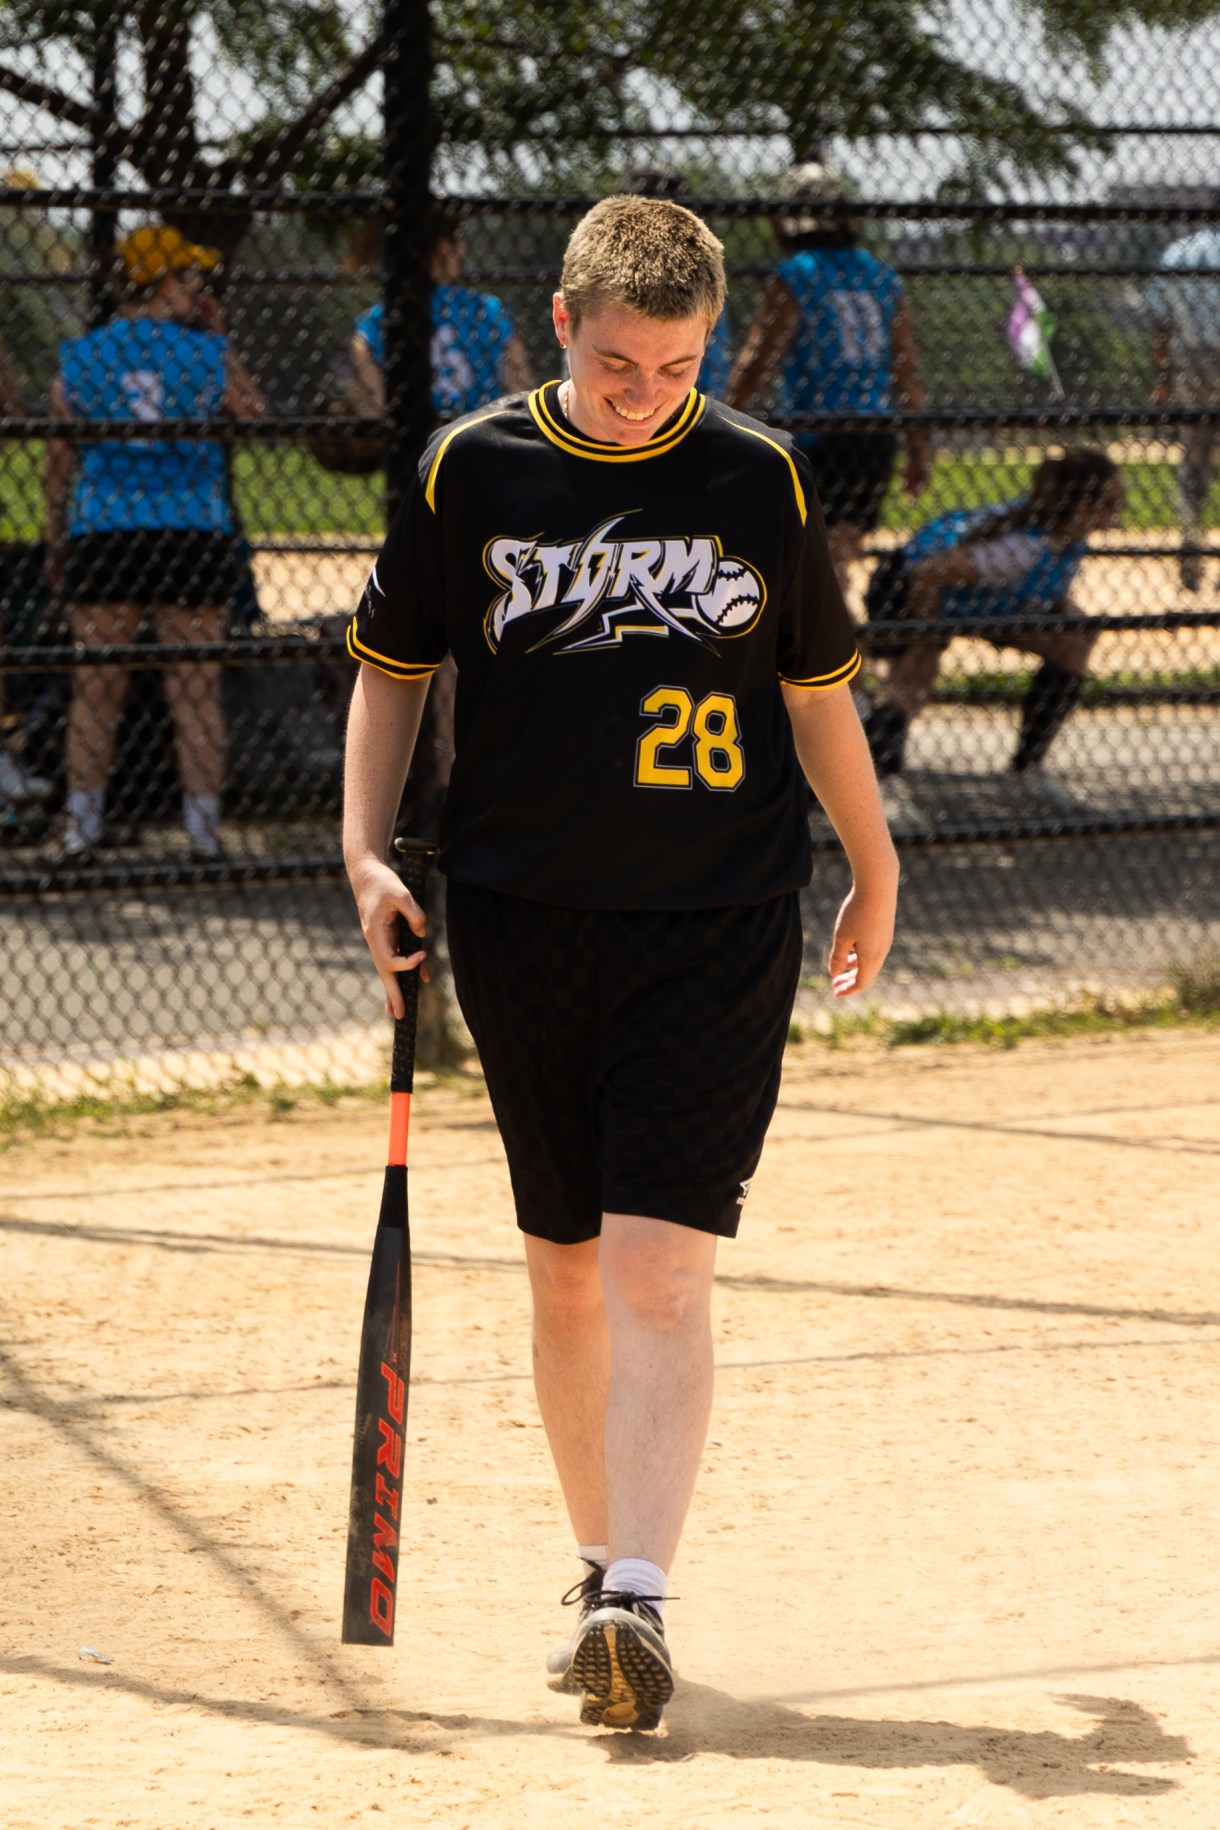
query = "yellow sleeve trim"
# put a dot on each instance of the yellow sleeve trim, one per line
(397, 670)
(823, 683)
(798, 492)
(430, 489)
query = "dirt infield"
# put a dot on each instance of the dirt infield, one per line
(952, 1560)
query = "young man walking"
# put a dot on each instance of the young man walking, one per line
(651, 646)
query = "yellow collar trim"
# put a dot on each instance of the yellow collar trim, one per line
(573, 442)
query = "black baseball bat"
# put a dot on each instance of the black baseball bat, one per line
(374, 1523)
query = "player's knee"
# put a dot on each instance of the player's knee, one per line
(656, 1283)
(564, 1279)
(1085, 643)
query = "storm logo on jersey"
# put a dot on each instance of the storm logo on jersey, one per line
(684, 586)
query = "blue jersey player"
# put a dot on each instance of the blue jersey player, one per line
(476, 352)
(833, 335)
(146, 532)
(1009, 559)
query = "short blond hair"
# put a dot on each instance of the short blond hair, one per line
(647, 254)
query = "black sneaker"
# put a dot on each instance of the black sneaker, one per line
(621, 1663)
(584, 1597)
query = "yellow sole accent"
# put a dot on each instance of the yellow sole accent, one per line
(622, 1709)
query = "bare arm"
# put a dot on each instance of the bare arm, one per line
(381, 730)
(243, 398)
(909, 392)
(61, 461)
(370, 382)
(775, 324)
(515, 369)
(833, 752)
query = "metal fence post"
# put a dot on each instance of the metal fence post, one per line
(103, 163)
(407, 167)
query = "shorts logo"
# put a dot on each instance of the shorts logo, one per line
(682, 586)
(745, 1189)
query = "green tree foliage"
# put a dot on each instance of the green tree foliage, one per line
(537, 84)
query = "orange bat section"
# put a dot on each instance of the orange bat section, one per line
(400, 1118)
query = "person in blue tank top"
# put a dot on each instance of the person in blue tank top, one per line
(1011, 559)
(146, 531)
(477, 354)
(833, 334)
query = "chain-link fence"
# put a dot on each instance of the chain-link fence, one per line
(251, 254)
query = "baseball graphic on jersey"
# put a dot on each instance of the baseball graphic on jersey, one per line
(734, 598)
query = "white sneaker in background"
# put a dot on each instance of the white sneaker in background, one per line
(74, 847)
(17, 784)
(206, 846)
(1037, 785)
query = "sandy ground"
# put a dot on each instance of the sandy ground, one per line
(952, 1560)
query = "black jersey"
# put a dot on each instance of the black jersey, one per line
(621, 619)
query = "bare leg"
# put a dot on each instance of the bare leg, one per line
(910, 679)
(1195, 474)
(1065, 647)
(1051, 694)
(572, 1375)
(193, 692)
(657, 1279)
(624, 1381)
(97, 695)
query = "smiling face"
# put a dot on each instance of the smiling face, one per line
(629, 374)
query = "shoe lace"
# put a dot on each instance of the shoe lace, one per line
(584, 1590)
(626, 1598)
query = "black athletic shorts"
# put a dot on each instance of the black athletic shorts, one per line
(633, 1059)
(852, 471)
(188, 568)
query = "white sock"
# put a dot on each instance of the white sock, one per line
(86, 809)
(201, 813)
(595, 1555)
(637, 1576)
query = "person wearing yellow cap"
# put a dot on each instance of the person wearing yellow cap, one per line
(145, 532)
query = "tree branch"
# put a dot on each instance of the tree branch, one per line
(271, 160)
(29, 89)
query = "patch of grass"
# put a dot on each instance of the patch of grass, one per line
(1193, 998)
(24, 1116)
(1196, 985)
(279, 489)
